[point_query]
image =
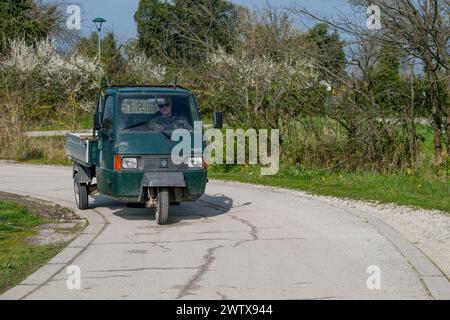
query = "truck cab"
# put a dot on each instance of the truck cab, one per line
(129, 155)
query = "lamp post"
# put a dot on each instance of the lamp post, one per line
(98, 24)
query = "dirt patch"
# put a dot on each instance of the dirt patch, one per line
(47, 237)
(64, 225)
(60, 226)
(41, 208)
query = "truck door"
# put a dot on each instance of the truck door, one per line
(106, 145)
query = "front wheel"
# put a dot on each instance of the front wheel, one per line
(162, 207)
(81, 194)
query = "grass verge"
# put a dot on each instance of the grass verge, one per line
(62, 122)
(42, 150)
(19, 257)
(401, 189)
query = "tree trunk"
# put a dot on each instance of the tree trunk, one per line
(438, 107)
(447, 108)
(412, 118)
(447, 130)
(437, 125)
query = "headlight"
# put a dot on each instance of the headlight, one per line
(194, 162)
(129, 163)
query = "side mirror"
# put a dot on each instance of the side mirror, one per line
(218, 120)
(97, 121)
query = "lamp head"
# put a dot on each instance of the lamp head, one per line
(98, 23)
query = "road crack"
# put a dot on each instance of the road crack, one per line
(253, 231)
(192, 284)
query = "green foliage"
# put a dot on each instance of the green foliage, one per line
(329, 49)
(152, 20)
(43, 150)
(403, 189)
(112, 60)
(258, 68)
(385, 79)
(24, 19)
(182, 30)
(38, 85)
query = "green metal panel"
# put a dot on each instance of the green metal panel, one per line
(81, 149)
(145, 143)
(106, 146)
(129, 184)
(195, 182)
(94, 152)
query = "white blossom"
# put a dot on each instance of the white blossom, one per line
(145, 70)
(260, 70)
(72, 72)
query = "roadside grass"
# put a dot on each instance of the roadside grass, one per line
(401, 189)
(18, 258)
(62, 122)
(42, 150)
(426, 187)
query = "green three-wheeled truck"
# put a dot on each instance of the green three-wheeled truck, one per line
(128, 156)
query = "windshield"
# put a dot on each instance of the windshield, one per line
(156, 113)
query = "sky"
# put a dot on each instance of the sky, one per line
(120, 13)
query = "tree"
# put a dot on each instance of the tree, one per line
(30, 21)
(205, 24)
(385, 80)
(112, 59)
(262, 81)
(184, 30)
(153, 26)
(328, 51)
(269, 32)
(420, 29)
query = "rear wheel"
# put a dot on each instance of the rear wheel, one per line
(162, 206)
(81, 194)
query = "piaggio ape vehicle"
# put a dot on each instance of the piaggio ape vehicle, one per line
(128, 156)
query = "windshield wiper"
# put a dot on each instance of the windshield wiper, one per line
(135, 125)
(167, 135)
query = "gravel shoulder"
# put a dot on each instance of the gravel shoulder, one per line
(428, 230)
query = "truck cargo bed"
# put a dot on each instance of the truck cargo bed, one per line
(82, 148)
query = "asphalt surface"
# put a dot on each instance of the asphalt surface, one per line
(238, 242)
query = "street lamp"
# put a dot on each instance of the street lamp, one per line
(98, 24)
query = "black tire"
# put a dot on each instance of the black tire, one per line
(81, 194)
(162, 207)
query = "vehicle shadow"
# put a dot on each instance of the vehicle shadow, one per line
(207, 207)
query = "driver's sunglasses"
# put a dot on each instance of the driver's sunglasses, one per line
(161, 106)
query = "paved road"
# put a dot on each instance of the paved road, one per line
(238, 242)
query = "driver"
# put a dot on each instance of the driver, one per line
(167, 121)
